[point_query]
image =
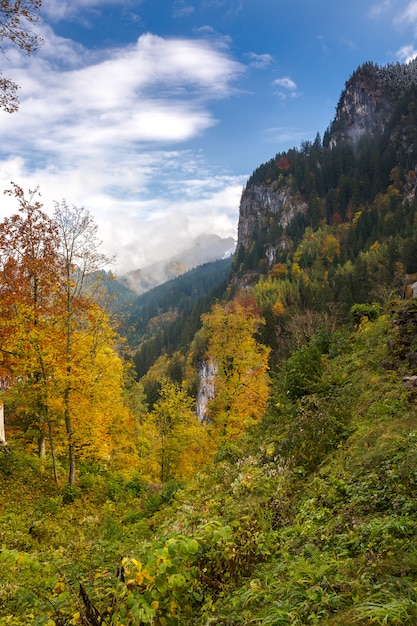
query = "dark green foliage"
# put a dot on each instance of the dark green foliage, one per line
(311, 518)
(315, 428)
(160, 497)
(179, 295)
(296, 228)
(403, 345)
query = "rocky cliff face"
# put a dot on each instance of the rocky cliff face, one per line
(260, 201)
(207, 371)
(369, 100)
(364, 107)
(266, 211)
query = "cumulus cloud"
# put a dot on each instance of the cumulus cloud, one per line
(109, 134)
(168, 227)
(286, 83)
(154, 91)
(136, 226)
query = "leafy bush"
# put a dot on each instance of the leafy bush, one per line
(316, 426)
(303, 372)
(359, 311)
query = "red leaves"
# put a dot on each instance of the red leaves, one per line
(283, 164)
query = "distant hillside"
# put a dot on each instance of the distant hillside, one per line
(205, 249)
(167, 317)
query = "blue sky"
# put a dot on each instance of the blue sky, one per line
(153, 113)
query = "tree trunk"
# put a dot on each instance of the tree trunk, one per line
(51, 443)
(71, 475)
(70, 435)
(2, 429)
(41, 445)
(162, 458)
(3, 444)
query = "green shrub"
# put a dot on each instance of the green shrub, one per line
(359, 311)
(303, 372)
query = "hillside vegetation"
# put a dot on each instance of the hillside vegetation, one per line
(293, 500)
(310, 517)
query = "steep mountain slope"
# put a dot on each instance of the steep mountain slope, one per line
(311, 518)
(369, 103)
(166, 318)
(360, 181)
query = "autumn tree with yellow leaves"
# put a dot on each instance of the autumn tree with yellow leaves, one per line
(241, 382)
(64, 375)
(173, 442)
(29, 267)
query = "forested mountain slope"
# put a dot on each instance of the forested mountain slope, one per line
(176, 296)
(166, 318)
(332, 202)
(310, 517)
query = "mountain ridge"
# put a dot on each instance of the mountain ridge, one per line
(205, 249)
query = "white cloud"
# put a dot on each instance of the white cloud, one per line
(138, 228)
(259, 60)
(57, 10)
(406, 53)
(181, 8)
(380, 9)
(409, 15)
(108, 135)
(288, 88)
(156, 90)
(231, 7)
(169, 227)
(286, 82)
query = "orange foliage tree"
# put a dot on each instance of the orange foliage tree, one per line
(28, 270)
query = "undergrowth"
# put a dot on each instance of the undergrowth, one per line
(311, 519)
